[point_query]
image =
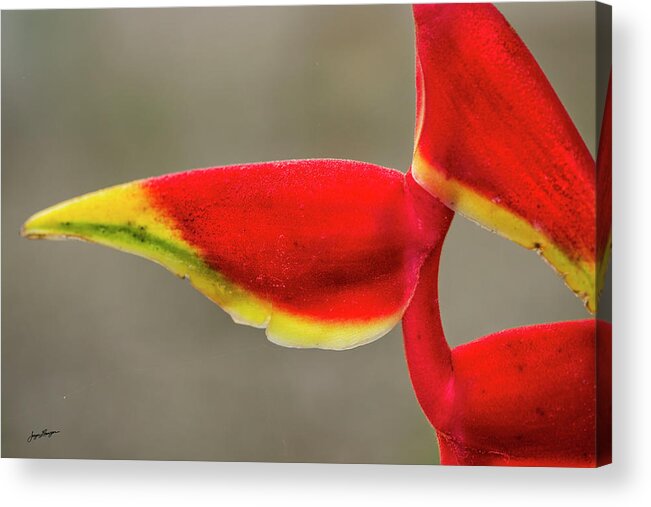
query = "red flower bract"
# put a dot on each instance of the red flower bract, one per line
(322, 253)
(494, 142)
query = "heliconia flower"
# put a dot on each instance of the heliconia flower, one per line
(331, 254)
(494, 142)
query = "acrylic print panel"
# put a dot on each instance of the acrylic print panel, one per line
(107, 356)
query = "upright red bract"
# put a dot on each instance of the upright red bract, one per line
(494, 142)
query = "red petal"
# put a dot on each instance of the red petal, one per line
(494, 142)
(532, 396)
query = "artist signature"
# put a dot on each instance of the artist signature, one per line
(44, 433)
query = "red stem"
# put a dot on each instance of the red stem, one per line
(429, 357)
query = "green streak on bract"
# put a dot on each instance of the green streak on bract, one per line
(132, 238)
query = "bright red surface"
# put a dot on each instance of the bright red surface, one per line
(491, 119)
(528, 396)
(330, 239)
(531, 396)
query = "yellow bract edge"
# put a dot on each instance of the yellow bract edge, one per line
(579, 275)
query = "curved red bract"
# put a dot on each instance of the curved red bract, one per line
(322, 253)
(532, 396)
(494, 142)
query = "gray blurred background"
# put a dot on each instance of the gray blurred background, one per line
(129, 362)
